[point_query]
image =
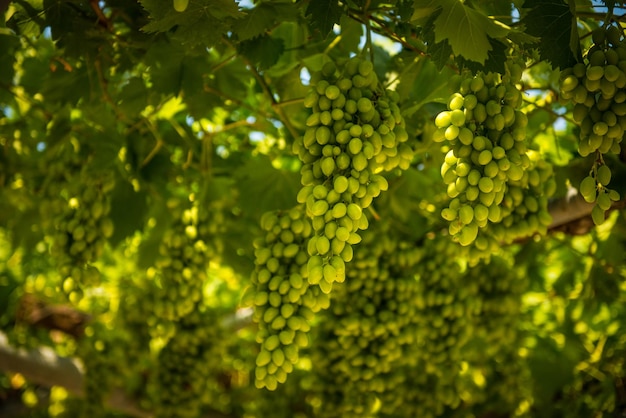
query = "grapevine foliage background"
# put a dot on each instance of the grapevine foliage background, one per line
(176, 240)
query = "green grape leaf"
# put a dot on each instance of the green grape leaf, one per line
(256, 22)
(128, 211)
(554, 23)
(8, 285)
(604, 281)
(167, 67)
(8, 43)
(405, 10)
(466, 30)
(262, 18)
(264, 187)
(263, 51)
(422, 82)
(149, 247)
(495, 61)
(324, 15)
(198, 24)
(439, 52)
(27, 18)
(351, 35)
(133, 97)
(67, 85)
(25, 235)
(552, 367)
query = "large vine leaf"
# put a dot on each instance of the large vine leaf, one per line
(465, 29)
(263, 51)
(198, 24)
(495, 61)
(264, 188)
(324, 15)
(553, 22)
(263, 17)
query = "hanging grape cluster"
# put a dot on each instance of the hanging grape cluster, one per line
(496, 336)
(499, 188)
(364, 339)
(524, 210)
(180, 272)
(354, 132)
(283, 298)
(525, 205)
(597, 88)
(485, 133)
(108, 366)
(185, 365)
(79, 203)
(446, 304)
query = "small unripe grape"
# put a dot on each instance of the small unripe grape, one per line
(613, 35)
(443, 119)
(485, 157)
(485, 184)
(332, 92)
(468, 234)
(457, 117)
(588, 189)
(466, 214)
(597, 215)
(569, 83)
(604, 201)
(319, 208)
(603, 175)
(181, 5)
(364, 105)
(455, 102)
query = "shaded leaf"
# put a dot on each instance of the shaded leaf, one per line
(256, 22)
(263, 17)
(200, 23)
(553, 22)
(495, 61)
(128, 211)
(264, 187)
(263, 51)
(324, 15)
(465, 29)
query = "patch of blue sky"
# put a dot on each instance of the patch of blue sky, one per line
(515, 15)
(305, 76)
(246, 4)
(256, 136)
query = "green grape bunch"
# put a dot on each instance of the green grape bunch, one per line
(283, 299)
(484, 132)
(355, 132)
(593, 188)
(525, 205)
(181, 384)
(497, 331)
(187, 247)
(597, 89)
(364, 339)
(445, 305)
(75, 208)
(82, 229)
